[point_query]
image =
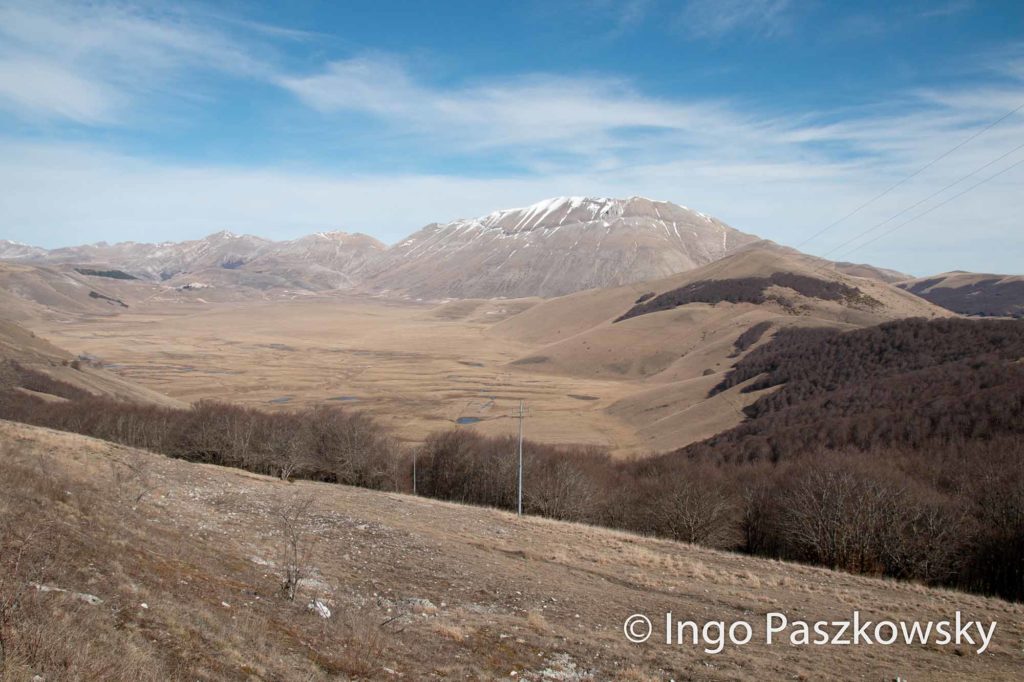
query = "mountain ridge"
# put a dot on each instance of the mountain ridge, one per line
(550, 248)
(553, 247)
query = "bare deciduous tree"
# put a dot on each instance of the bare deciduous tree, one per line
(692, 511)
(841, 518)
(292, 520)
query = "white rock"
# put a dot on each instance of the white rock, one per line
(87, 598)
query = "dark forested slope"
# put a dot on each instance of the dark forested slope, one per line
(909, 382)
(896, 449)
(972, 294)
(749, 290)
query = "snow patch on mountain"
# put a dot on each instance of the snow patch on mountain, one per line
(554, 247)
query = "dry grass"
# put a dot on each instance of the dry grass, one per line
(410, 368)
(536, 620)
(449, 630)
(419, 368)
(421, 588)
(418, 371)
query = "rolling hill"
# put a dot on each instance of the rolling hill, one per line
(25, 354)
(171, 570)
(317, 262)
(30, 290)
(970, 293)
(678, 352)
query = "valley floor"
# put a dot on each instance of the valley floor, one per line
(186, 560)
(414, 368)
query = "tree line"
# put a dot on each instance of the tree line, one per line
(896, 451)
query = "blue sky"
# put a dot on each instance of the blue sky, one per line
(151, 122)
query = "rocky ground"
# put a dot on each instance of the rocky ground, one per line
(186, 563)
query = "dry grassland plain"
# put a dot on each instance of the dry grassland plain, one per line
(416, 367)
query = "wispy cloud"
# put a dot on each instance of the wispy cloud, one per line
(553, 124)
(713, 19)
(947, 9)
(789, 184)
(533, 117)
(105, 57)
(36, 87)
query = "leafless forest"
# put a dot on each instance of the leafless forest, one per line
(893, 450)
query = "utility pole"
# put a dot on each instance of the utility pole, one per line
(521, 416)
(414, 472)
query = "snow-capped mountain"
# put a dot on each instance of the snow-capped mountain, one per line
(554, 247)
(17, 251)
(551, 248)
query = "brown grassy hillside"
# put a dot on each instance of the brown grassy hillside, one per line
(672, 350)
(971, 293)
(187, 559)
(35, 354)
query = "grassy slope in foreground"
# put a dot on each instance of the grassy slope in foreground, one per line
(504, 594)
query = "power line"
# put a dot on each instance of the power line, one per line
(920, 170)
(939, 205)
(922, 201)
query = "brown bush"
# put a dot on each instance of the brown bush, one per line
(292, 519)
(326, 444)
(690, 510)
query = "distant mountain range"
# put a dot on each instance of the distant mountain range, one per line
(552, 248)
(327, 260)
